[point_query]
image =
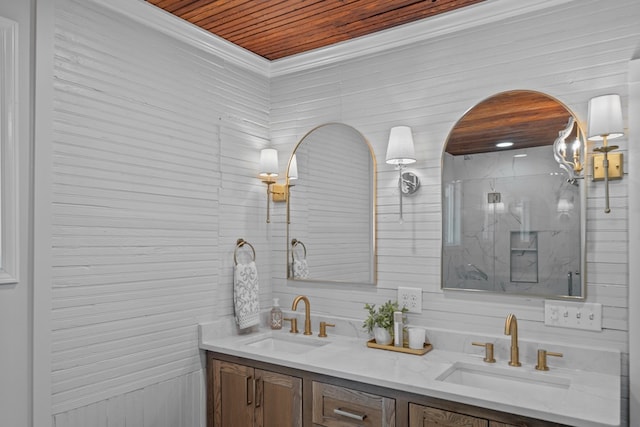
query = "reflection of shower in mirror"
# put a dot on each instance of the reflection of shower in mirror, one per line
(513, 218)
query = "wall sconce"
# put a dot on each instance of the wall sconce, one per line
(280, 192)
(569, 157)
(605, 122)
(268, 171)
(400, 152)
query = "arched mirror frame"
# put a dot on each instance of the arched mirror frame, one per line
(373, 212)
(581, 180)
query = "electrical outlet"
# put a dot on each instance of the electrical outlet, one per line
(565, 314)
(410, 298)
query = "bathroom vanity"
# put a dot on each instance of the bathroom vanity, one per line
(273, 378)
(246, 392)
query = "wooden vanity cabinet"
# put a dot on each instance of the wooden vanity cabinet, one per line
(246, 393)
(243, 396)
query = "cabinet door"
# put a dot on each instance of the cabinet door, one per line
(424, 416)
(248, 397)
(278, 400)
(233, 397)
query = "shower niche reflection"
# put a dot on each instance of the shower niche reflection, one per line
(512, 217)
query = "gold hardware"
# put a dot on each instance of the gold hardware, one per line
(349, 414)
(605, 122)
(294, 324)
(259, 393)
(323, 329)
(511, 328)
(542, 359)
(239, 244)
(279, 192)
(615, 166)
(307, 312)
(488, 351)
(250, 394)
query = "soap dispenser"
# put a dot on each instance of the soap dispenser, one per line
(276, 315)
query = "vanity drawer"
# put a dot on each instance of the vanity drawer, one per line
(335, 406)
(424, 416)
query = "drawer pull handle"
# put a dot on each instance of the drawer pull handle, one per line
(258, 397)
(340, 411)
(250, 394)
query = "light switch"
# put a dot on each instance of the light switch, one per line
(574, 315)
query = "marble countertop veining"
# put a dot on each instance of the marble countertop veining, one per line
(591, 399)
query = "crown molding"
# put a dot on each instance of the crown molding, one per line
(160, 20)
(487, 12)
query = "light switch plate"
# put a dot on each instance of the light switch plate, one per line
(574, 315)
(410, 298)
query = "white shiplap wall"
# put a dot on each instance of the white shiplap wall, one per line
(126, 98)
(153, 142)
(572, 51)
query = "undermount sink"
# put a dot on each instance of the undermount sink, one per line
(510, 380)
(288, 343)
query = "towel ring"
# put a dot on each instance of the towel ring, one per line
(296, 242)
(240, 243)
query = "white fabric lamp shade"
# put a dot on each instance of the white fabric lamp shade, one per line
(605, 117)
(269, 162)
(400, 150)
(293, 168)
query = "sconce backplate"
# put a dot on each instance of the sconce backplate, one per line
(615, 166)
(410, 183)
(279, 192)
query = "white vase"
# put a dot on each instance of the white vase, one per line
(382, 336)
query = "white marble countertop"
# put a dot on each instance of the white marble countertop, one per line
(592, 397)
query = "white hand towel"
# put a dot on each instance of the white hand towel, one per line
(245, 295)
(300, 269)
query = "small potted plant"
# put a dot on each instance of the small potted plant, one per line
(380, 321)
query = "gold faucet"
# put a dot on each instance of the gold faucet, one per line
(488, 351)
(511, 328)
(323, 329)
(294, 324)
(307, 312)
(542, 359)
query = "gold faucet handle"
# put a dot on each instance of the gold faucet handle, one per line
(542, 359)
(294, 324)
(323, 329)
(488, 351)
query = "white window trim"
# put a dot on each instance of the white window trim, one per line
(8, 152)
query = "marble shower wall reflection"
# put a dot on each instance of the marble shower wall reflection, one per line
(511, 224)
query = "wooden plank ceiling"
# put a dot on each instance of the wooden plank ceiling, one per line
(276, 29)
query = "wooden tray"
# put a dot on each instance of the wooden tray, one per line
(426, 349)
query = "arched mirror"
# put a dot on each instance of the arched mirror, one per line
(331, 207)
(512, 198)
